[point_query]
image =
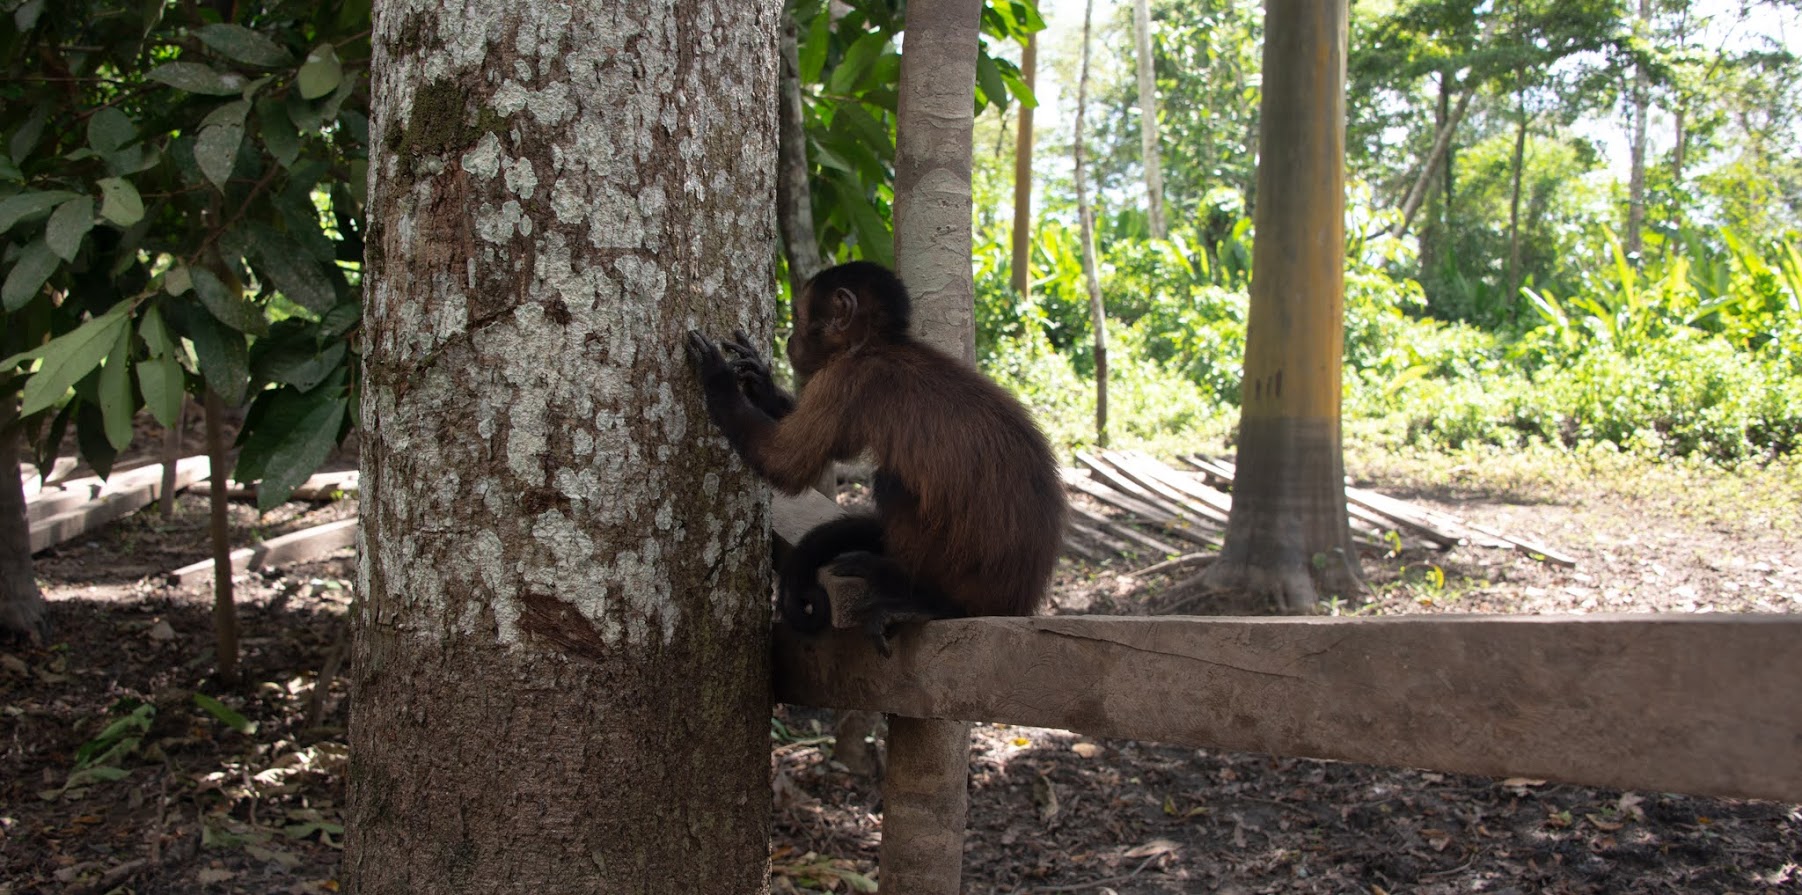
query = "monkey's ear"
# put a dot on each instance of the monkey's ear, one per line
(844, 308)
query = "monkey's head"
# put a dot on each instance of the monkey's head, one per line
(845, 308)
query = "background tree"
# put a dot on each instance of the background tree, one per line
(1148, 113)
(565, 593)
(1086, 216)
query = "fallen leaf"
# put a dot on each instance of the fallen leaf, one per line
(1154, 847)
(212, 875)
(161, 632)
(1086, 750)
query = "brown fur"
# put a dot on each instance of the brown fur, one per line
(978, 513)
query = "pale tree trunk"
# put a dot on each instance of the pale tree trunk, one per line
(561, 643)
(165, 501)
(22, 611)
(937, 111)
(1287, 538)
(1022, 263)
(1636, 174)
(1429, 167)
(1518, 163)
(1086, 220)
(1148, 117)
(925, 791)
(794, 196)
(225, 607)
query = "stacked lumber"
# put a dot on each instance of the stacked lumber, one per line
(62, 511)
(1155, 510)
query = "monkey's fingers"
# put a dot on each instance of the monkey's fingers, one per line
(702, 351)
(740, 344)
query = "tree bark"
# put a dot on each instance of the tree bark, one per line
(1022, 236)
(937, 111)
(1442, 141)
(1287, 537)
(225, 607)
(1636, 174)
(22, 611)
(1148, 118)
(1086, 220)
(794, 195)
(165, 501)
(561, 646)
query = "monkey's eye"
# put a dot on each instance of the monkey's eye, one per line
(807, 609)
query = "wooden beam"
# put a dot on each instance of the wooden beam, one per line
(124, 494)
(300, 546)
(1696, 704)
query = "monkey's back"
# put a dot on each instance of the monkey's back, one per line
(968, 486)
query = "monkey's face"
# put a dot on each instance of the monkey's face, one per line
(816, 338)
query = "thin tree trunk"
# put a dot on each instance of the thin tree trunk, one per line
(171, 453)
(925, 805)
(1636, 175)
(1022, 238)
(22, 611)
(1086, 218)
(794, 195)
(1518, 163)
(937, 110)
(561, 642)
(1429, 167)
(1287, 538)
(225, 608)
(1148, 117)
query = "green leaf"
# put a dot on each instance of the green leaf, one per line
(988, 77)
(115, 392)
(321, 73)
(178, 280)
(857, 61)
(30, 270)
(226, 714)
(244, 45)
(279, 135)
(26, 138)
(196, 78)
(233, 310)
(160, 378)
(120, 202)
(300, 365)
(216, 151)
(155, 332)
(90, 438)
(110, 129)
(291, 269)
(223, 356)
(72, 355)
(17, 208)
(813, 49)
(68, 225)
(292, 452)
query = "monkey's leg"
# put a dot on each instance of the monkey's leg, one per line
(805, 604)
(893, 596)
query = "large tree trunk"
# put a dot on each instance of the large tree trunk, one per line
(937, 111)
(794, 196)
(1022, 263)
(1636, 173)
(1086, 220)
(22, 611)
(561, 647)
(925, 791)
(1287, 538)
(1148, 117)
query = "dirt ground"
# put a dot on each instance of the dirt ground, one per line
(182, 798)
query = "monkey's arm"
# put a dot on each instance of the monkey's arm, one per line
(790, 453)
(754, 377)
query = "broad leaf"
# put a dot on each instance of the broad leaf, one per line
(160, 378)
(110, 129)
(196, 78)
(178, 280)
(216, 151)
(279, 135)
(244, 45)
(321, 73)
(120, 202)
(155, 332)
(68, 225)
(115, 392)
(14, 209)
(90, 438)
(228, 308)
(293, 435)
(30, 270)
(223, 356)
(292, 270)
(72, 355)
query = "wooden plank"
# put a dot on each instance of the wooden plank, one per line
(125, 494)
(1151, 515)
(1123, 530)
(59, 499)
(1150, 484)
(1173, 510)
(1703, 704)
(322, 486)
(300, 546)
(30, 480)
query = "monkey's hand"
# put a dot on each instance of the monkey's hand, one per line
(717, 378)
(754, 377)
